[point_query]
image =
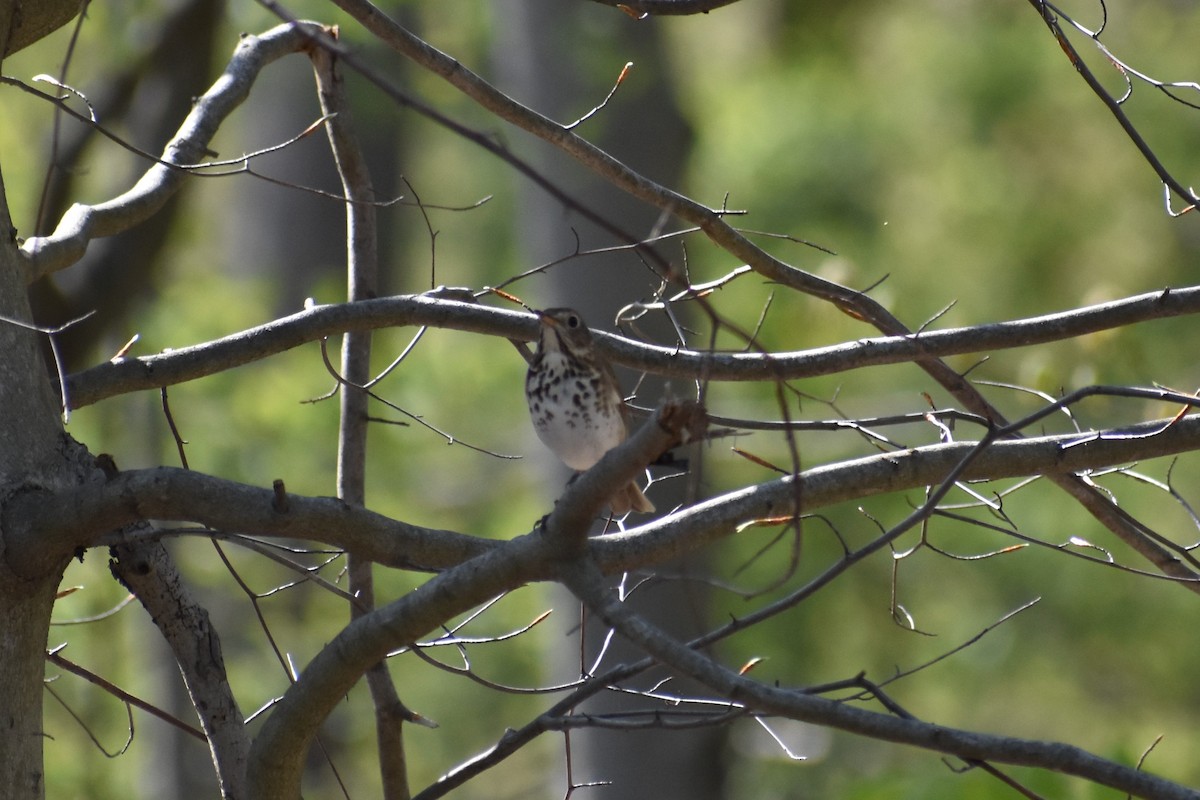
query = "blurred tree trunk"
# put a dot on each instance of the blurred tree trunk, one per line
(539, 53)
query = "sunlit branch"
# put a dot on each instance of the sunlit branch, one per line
(1051, 15)
(82, 516)
(278, 751)
(854, 303)
(188, 363)
(597, 109)
(585, 581)
(482, 139)
(82, 223)
(713, 519)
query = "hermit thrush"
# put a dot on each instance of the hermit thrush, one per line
(575, 401)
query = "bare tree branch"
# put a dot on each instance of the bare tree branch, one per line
(362, 280)
(167, 493)
(277, 754)
(188, 363)
(44, 521)
(712, 222)
(585, 580)
(41, 524)
(1050, 15)
(56, 658)
(82, 223)
(148, 571)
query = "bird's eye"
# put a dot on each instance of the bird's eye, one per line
(572, 321)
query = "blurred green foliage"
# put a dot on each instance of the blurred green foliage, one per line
(947, 147)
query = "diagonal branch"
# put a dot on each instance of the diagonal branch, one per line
(566, 528)
(1049, 15)
(42, 526)
(82, 223)
(712, 223)
(148, 571)
(586, 582)
(278, 752)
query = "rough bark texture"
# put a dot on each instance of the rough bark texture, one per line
(33, 452)
(147, 570)
(26, 608)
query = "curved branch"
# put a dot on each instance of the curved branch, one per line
(713, 224)
(147, 570)
(698, 525)
(188, 363)
(1049, 15)
(585, 581)
(278, 752)
(82, 223)
(40, 526)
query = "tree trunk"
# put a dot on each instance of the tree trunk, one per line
(25, 606)
(33, 453)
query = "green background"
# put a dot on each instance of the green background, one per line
(949, 147)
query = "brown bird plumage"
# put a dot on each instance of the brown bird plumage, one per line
(575, 401)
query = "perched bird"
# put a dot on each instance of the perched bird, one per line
(575, 401)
